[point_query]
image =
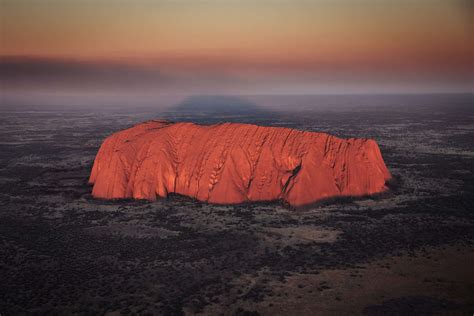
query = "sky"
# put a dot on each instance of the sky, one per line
(231, 46)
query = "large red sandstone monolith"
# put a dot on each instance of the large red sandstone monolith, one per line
(234, 163)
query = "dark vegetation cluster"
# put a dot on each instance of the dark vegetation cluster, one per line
(62, 251)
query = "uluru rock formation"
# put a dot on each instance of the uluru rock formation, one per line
(234, 163)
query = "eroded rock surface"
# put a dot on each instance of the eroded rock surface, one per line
(234, 163)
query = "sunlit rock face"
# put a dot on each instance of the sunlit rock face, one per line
(234, 163)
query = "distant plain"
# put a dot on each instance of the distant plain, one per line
(406, 251)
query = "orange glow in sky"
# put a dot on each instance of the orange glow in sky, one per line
(261, 35)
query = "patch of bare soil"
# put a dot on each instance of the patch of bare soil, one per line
(438, 280)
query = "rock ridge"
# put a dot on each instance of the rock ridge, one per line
(231, 163)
